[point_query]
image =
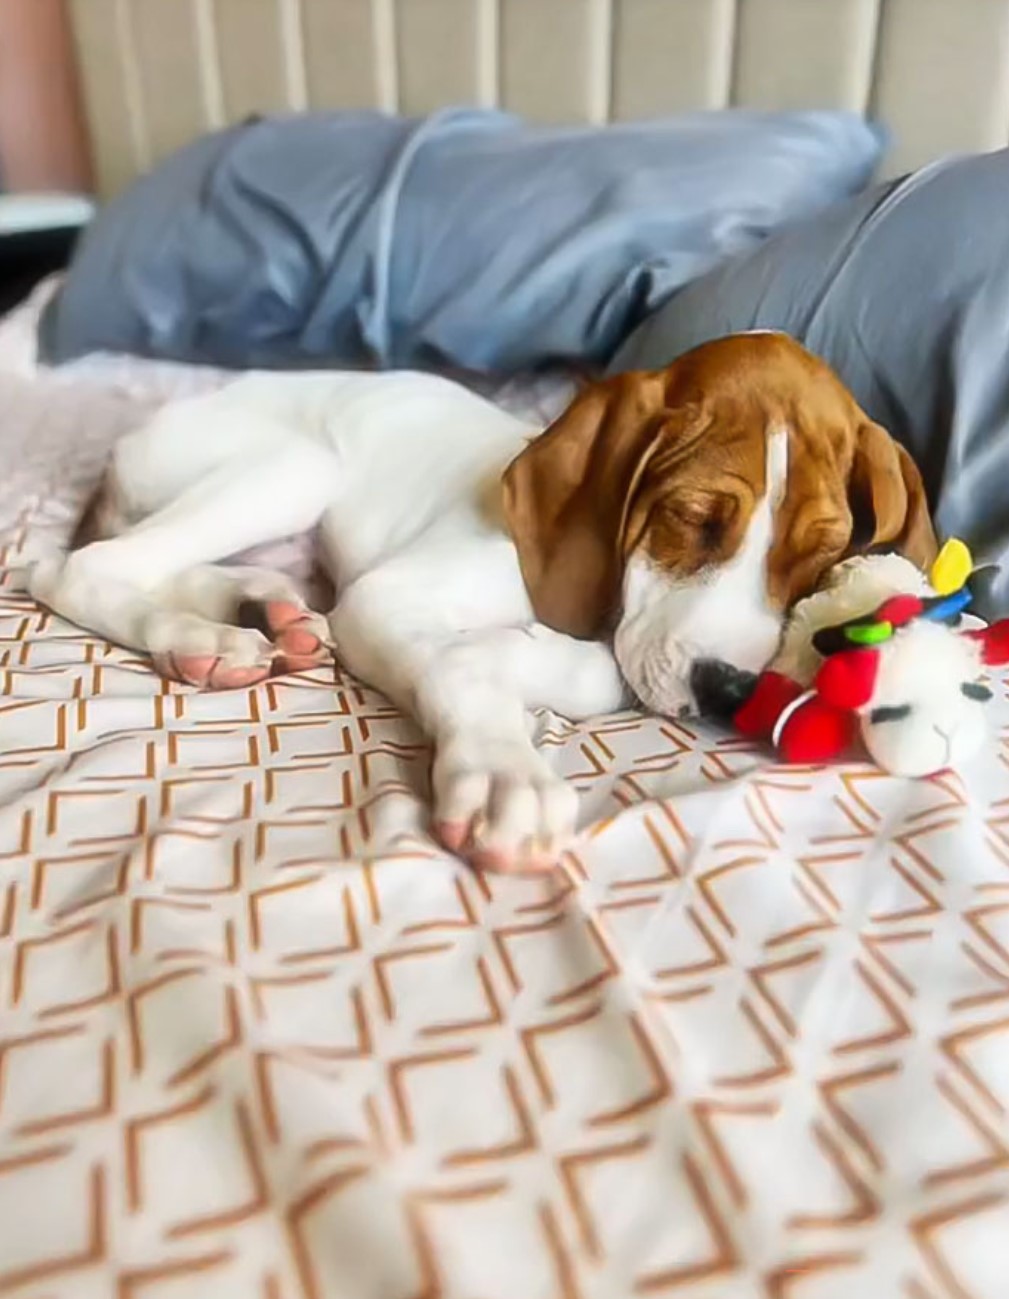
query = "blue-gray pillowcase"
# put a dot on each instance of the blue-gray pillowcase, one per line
(905, 292)
(467, 238)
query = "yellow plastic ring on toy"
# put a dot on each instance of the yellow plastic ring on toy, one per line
(952, 568)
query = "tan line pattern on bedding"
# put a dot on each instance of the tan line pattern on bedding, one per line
(260, 1037)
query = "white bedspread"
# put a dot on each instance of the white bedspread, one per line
(261, 1039)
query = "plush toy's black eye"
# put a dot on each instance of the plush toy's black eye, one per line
(894, 714)
(974, 690)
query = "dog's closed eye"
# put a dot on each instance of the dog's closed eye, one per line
(707, 515)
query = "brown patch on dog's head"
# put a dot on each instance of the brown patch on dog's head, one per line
(672, 464)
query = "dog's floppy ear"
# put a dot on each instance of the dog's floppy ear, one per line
(887, 499)
(568, 497)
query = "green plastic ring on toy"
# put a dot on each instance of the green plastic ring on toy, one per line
(871, 633)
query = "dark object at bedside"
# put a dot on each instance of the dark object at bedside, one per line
(28, 256)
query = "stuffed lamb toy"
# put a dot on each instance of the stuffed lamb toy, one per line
(877, 660)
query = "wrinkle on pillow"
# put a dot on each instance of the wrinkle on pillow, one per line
(905, 292)
(467, 238)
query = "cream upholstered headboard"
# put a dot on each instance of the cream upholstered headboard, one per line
(157, 72)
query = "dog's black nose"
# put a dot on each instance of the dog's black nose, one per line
(720, 689)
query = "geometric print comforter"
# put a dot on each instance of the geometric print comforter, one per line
(260, 1038)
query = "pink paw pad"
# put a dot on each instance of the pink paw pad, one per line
(207, 672)
(500, 863)
(452, 835)
(456, 837)
(284, 623)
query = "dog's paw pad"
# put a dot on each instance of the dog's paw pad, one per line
(211, 656)
(297, 632)
(208, 671)
(509, 818)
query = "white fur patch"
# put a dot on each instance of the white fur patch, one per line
(670, 623)
(776, 470)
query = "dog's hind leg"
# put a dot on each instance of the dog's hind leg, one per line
(129, 588)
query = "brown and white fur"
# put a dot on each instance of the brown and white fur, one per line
(481, 571)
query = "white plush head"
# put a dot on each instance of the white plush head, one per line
(927, 710)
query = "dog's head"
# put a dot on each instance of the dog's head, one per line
(684, 511)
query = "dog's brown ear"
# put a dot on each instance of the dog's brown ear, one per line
(887, 499)
(567, 499)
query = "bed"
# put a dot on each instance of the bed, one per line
(261, 1038)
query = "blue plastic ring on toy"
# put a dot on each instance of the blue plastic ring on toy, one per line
(949, 607)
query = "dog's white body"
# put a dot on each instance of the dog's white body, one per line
(401, 472)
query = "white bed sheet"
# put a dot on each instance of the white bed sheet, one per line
(260, 1037)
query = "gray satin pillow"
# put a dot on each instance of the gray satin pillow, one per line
(467, 238)
(905, 292)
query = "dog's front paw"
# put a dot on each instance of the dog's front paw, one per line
(502, 809)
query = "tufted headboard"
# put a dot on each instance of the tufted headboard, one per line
(157, 72)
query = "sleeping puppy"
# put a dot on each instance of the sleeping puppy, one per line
(664, 520)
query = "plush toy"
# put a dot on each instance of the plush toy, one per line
(877, 659)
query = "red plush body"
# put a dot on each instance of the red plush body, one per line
(814, 731)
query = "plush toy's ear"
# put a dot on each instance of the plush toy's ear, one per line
(847, 680)
(952, 568)
(994, 643)
(899, 610)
